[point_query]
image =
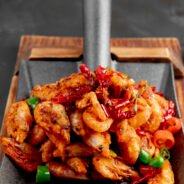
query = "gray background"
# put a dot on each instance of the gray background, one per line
(130, 18)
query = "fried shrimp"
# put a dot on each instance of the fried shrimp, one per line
(53, 118)
(95, 123)
(129, 142)
(36, 136)
(47, 149)
(94, 116)
(62, 171)
(113, 169)
(78, 150)
(165, 175)
(90, 99)
(25, 155)
(18, 121)
(66, 86)
(99, 141)
(155, 119)
(147, 144)
(77, 164)
(142, 115)
(77, 123)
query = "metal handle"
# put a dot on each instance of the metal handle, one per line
(97, 21)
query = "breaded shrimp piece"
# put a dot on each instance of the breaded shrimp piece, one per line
(18, 121)
(36, 135)
(62, 171)
(77, 164)
(25, 155)
(113, 169)
(129, 142)
(65, 86)
(142, 115)
(165, 176)
(53, 118)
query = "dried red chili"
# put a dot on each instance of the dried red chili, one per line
(120, 114)
(72, 94)
(105, 110)
(170, 112)
(147, 172)
(117, 103)
(140, 132)
(85, 70)
(101, 77)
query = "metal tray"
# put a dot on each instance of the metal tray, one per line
(38, 72)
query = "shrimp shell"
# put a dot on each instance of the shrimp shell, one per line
(142, 115)
(18, 121)
(62, 171)
(53, 118)
(64, 86)
(94, 122)
(129, 142)
(36, 135)
(77, 123)
(113, 168)
(77, 164)
(25, 155)
(47, 149)
(99, 141)
(78, 150)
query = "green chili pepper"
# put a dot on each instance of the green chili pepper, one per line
(144, 156)
(32, 102)
(164, 152)
(43, 174)
(157, 162)
(113, 154)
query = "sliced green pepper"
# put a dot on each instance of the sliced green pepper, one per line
(164, 152)
(157, 161)
(144, 156)
(43, 174)
(32, 102)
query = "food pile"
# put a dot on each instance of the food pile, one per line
(93, 125)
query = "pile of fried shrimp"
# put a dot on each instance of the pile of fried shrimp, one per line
(99, 125)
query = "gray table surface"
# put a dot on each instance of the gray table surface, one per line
(130, 18)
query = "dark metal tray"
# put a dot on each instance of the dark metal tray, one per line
(35, 72)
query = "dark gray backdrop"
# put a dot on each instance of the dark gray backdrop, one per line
(130, 18)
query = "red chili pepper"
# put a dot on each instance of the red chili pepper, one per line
(119, 114)
(156, 92)
(105, 111)
(147, 172)
(101, 77)
(140, 132)
(117, 103)
(85, 70)
(72, 95)
(170, 112)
